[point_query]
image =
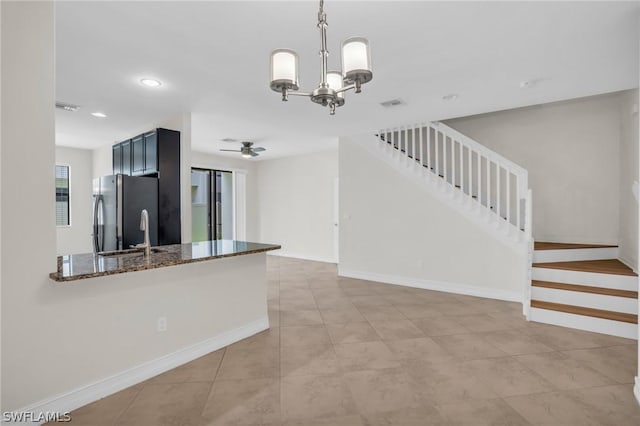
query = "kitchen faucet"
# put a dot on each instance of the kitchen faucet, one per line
(144, 226)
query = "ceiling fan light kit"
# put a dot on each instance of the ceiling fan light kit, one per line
(356, 70)
(247, 150)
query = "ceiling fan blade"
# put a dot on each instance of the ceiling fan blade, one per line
(254, 154)
(231, 150)
(259, 149)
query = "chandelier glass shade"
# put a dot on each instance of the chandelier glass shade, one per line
(356, 70)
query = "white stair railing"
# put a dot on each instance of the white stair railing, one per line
(483, 175)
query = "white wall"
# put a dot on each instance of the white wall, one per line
(219, 162)
(102, 161)
(628, 174)
(572, 152)
(76, 238)
(295, 198)
(28, 199)
(392, 230)
(59, 338)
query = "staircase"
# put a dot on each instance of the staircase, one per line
(480, 180)
(573, 285)
(584, 287)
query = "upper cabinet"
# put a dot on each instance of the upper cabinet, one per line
(151, 152)
(122, 158)
(156, 153)
(137, 163)
(139, 156)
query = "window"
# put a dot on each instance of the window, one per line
(62, 196)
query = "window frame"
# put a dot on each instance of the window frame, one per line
(68, 166)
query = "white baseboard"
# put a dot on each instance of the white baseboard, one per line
(444, 286)
(636, 389)
(630, 263)
(300, 256)
(100, 389)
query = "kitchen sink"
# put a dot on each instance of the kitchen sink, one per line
(132, 251)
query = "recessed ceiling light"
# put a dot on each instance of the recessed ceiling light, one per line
(392, 103)
(99, 114)
(450, 97)
(528, 84)
(150, 82)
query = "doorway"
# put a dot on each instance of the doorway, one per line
(211, 205)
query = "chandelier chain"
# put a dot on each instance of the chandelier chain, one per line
(322, 17)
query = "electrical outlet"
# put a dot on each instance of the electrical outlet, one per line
(162, 324)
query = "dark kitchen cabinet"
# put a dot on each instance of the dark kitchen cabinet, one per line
(150, 152)
(122, 158)
(156, 154)
(117, 159)
(137, 167)
(126, 157)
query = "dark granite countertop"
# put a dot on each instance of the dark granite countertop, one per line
(88, 265)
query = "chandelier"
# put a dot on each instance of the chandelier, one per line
(356, 70)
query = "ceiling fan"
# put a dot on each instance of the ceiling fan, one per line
(247, 150)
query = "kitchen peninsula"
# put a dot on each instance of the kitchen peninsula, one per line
(147, 315)
(91, 265)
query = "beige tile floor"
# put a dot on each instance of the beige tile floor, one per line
(350, 352)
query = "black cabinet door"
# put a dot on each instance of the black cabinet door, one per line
(138, 155)
(150, 152)
(117, 159)
(126, 157)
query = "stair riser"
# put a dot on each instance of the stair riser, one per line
(581, 322)
(621, 282)
(587, 300)
(570, 255)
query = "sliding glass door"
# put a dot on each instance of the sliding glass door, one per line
(211, 205)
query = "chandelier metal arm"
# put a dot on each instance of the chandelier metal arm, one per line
(349, 87)
(299, 94)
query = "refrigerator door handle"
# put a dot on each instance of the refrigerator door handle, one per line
(95, 222)
(101, 224)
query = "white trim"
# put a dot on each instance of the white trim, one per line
(239, 205)
(629, 263)
(582, 322)
(621, 282)
(92, 392)
(636, 389)
(588, 300)
(449, 287)
(215, 166)
(569, 255)
(281, 253)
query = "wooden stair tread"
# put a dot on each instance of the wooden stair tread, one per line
(606, 266)
(589, 312)
(542, 245)
(586, 289)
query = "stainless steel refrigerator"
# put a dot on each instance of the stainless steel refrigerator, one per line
(118, 201)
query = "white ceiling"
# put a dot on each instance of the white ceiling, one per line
(212, 58)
